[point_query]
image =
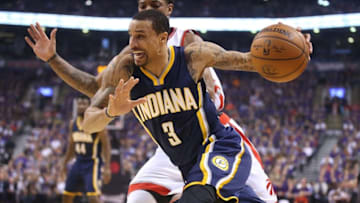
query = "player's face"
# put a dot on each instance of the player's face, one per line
(144, 42)
(160, 5)
(82, 104)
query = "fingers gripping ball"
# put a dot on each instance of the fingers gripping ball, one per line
(279, 53)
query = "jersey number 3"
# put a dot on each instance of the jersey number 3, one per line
(168, 127)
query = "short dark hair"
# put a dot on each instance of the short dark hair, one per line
(160, 23)
(167, 1)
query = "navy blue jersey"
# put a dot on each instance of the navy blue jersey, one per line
(178, 114)
(87, 146)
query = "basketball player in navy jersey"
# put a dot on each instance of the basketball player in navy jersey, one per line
(169, 99)
(167, 180)
(158, 180)
(84, 176)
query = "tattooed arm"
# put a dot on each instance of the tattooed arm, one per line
(101, 112)
(212, 81)
(200, 55)
(77, 79)
(80, 80)
(45, 49)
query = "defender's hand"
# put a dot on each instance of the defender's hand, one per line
(121, 103)
(44, 48)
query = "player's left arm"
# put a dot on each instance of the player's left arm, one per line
(212, 81)
(200, 55)
(106, 154)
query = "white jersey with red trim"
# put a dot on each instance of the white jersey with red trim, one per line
(177, 37)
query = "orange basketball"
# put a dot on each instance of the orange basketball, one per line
(279, 53)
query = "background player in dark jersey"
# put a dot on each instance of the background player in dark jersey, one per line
(89, 151)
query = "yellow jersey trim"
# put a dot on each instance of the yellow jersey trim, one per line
(202, 124)
(72, 193)
(202, 167)
(160, 81)
(150, 76)
(78, 123)
(231, 175)
(144, 126)
(92, 194)
(201, 115)
(95, 167)
(169, 66)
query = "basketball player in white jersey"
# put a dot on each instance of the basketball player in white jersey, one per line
(158, 180)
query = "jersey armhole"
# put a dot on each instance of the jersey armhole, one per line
(183, 37)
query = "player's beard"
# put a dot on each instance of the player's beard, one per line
(140, 59)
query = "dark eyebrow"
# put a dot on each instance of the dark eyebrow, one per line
(140, 31)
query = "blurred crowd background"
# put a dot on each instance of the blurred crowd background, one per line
(307, 131)
(189, 8)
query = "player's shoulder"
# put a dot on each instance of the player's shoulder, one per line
(191, 36)
(193, 47)
(121, 67)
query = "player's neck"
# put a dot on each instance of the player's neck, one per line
(159, 63)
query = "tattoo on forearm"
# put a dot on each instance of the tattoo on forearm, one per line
(101, 98)
(79, 80)
(235, 60)
(214, 55)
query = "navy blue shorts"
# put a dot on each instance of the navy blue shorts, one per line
(223, 162)
(84, 178)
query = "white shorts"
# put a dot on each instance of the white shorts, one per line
(161, 176)
(158, 175)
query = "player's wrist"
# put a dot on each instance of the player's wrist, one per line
(108, 114)
(52, 58)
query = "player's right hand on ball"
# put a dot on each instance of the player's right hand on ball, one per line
(120, 103)
(44, 48)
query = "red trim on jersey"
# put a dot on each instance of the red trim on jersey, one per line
(221, 102)
(161, 190)
(173, 31)
(225, 119)
(183, 37)
(221, 97)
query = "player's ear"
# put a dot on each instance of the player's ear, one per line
(170, 8)
(164, 37)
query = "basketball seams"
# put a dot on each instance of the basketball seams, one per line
(295, 70)
(283, 42)
(275, 37)
(303, 42)
(277, 59)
